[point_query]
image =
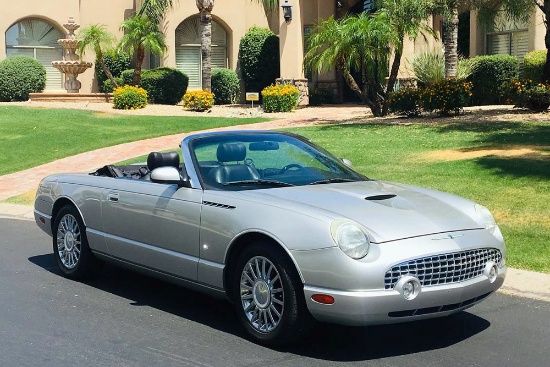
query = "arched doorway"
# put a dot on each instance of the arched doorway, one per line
(37, 38)
(188, 49)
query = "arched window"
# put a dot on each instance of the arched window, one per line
(37, 39)
(188, 49)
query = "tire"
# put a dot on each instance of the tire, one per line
(70, 245)
(268, 295)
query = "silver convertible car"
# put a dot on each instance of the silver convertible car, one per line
(283, 229)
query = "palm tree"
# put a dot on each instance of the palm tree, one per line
(366, 42)
(141, 34)
(97, 38)
(155, 10)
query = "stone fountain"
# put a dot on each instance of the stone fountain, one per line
(71, 66)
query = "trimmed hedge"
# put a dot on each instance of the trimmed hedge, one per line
(129, 98)
(225, 86)
(198, 100)
(533, 65)
(163, 85)
(116, 62)
(491, 72)
(19, 76)
(259, 58)
(280, 98)
(320, 96)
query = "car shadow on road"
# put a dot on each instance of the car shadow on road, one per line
(324, 342)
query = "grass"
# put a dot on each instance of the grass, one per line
(33, 136)
(515, 188)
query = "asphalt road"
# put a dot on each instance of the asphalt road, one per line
(126, 319)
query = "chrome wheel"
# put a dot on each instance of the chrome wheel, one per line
(69, 241)
(262, 295)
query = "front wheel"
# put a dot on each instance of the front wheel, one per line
(269, 296)
(70, 245)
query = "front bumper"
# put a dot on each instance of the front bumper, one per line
(357, 308)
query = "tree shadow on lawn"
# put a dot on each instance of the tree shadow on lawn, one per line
(522, 166)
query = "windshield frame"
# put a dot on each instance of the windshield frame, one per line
(246, 137)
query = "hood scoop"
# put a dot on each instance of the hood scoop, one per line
(380, 197)
(391, 201)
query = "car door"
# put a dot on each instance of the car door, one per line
(154, 225)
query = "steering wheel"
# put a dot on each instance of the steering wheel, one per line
(289, 166)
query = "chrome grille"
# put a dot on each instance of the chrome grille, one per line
(443, 268)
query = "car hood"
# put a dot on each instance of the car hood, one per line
(388, 211)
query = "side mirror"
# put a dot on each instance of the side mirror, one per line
(169, 175)
(347, 162)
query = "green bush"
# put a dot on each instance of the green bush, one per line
(429, 67)
(225, 86)
(320, 96)
(280, 98)
(116, 62)
(163, 85)
(490, 74)
(19, 76)
(446, 97)
(405, 102)
(129, 98)
(533, 65)
(259, 58)
(529, 94)
(108, 87)
(198, 100)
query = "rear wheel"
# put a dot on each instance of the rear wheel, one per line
(269, 296)
(70, 245)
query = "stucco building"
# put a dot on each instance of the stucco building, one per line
(32, 28)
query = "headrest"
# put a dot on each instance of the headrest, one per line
(169, 159)
(231, 152)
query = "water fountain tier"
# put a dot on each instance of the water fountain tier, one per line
(71, 66)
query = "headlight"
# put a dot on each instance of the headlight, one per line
(486, 218)
(350, 237)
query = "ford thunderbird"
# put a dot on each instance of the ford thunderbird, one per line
(287, 232)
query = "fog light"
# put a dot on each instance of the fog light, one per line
(491, 271)
(409, 287)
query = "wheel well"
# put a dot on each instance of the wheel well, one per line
(238, 246)
(60, 203)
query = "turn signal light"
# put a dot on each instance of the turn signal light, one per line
(324, 299)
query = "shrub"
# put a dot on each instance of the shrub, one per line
(259, 58)
(529, 94)
(129, 98)
(491, 73)
(320, 96)
(164, 85)
(198, 100)
(116, 62)
(447, 97)
(19, 76)
(533, 65)
(280, 98)
(108, 87)
(225, 86)
(405, 101)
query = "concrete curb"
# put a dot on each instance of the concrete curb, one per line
(519, 283)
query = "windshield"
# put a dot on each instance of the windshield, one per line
(255, 160)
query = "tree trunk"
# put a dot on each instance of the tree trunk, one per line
(205, 8)
(139, 62)
(99, 57)
(450, 42)
(392, 79)
(546, 70)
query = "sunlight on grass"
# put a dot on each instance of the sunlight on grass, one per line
(23, 199)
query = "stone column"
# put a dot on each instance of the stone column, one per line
(291, 48)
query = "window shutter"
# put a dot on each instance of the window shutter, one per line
(54, 78)
(188, 60)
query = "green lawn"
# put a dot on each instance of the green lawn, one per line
(515, 188)
(33, 136)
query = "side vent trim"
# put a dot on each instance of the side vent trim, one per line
(380, 197)
(218, 205)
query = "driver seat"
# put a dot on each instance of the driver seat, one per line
(232, 152)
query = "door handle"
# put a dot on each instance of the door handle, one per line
(113, 197)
